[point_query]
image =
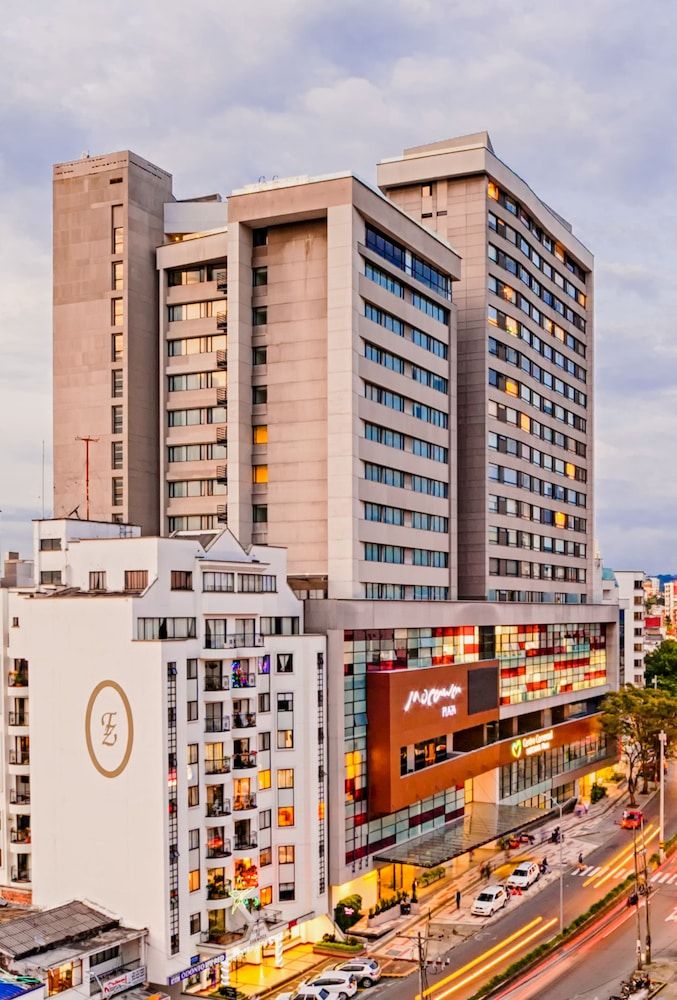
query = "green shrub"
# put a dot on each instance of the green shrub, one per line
(348, 911)
(431, 875)
(597, 792)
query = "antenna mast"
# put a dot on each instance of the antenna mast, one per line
(87, 441)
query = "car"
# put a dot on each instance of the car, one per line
(632, 819)
(341, 985)
(490, 899)
(306, 993)
(524, 875)
(366, 970)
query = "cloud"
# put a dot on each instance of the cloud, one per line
(576, 98)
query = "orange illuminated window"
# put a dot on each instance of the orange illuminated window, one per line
(259, 473)
(266, 895)
(511, 388)
(194, 880)
(492, 191)
(511, 325)
(261, 434)
(264, 779)
(560, 519)
(525, 422)
(285, 816)
(320, 812)
(571, 470)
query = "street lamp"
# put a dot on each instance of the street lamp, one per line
(560, 806)
(662, 739)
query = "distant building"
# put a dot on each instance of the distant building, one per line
(632, 598)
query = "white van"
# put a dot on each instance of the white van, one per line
(490, 899)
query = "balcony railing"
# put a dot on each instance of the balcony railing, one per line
(241, 802)
(221, 395)
(245, 843)
(244, 760)
(221, 360)
(222, 281)
(219, 808)
(219, 765)
(221, 514)
(20, 875)
(224, 851)
(18, 718)
(243, 681)
(244, 720)
(216, 683)
(222, 321)
(17, 678)
(217, 892)
(219, 641)
(20, 836)
(19, 798)
(222, 474)
(19, 757)
(217, 725)
(222, 435)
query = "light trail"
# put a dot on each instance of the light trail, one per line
(541, 929)
(619, 867)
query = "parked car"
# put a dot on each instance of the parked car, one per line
(524, 875)
(490, 899)
(307, 993)
(632, 819)
(341, 985)
(367, 971)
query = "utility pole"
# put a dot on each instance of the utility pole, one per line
(639, 926)
(87, 441)
(662, 739)
(647, 889)
(560, 806)
(421, 956)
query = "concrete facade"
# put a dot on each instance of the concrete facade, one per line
(632, 600)
(108, 219)
(525, 362)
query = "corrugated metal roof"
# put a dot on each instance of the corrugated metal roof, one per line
(41, 931)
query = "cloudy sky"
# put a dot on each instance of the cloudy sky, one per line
(579, 99)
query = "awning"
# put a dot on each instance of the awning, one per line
(482, 823)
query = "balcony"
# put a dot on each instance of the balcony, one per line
(221, 396)
(244, 720)
(19, 798)
(246, 843)
(20, 836)
(219, 890)
(19, 757)
(240, 681)
(217, 725)
(221, 435)
(238, 639)
(242, 802)
(221, 360)
(18, 718)
(221, 514)
(215, 683)
(222, 321)
(222, 474)
(218, 808)
(223, 850)
(244, 760)
(222, 281)
(17, 678)
(20, 875)
(219, 765)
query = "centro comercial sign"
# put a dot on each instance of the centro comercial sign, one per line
(528, 745)
(433, 696)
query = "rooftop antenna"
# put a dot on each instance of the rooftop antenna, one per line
(87, 441)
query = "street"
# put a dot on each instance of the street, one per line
(486, 949)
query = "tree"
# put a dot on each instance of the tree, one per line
(662, 663)
(635, 717)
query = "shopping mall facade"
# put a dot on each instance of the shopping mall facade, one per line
(443, 719)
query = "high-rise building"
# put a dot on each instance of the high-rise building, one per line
(108, 219)
(397, 390)
(525, 356)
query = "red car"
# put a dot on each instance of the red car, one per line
(632, 819)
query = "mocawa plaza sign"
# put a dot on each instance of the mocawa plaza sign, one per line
(433, 696)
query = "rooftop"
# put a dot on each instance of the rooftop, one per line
(41, 931)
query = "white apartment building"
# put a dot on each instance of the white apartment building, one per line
(670, 598)
(164, 751)
(632, 600)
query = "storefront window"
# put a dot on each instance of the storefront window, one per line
(64, 977)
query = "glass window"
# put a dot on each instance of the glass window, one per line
(117, 314)
(285, 777)
(259, 473)
(194, 880)
(116, 347)
(117, 276)
(260, 434)
(259, 394)
(260, 275)
(116, 492)
(259, 355)
(285, 739)
(259, 316)
(260, 514)
(285, 816)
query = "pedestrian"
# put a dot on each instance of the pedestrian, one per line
(458, 899)
(581, 866)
